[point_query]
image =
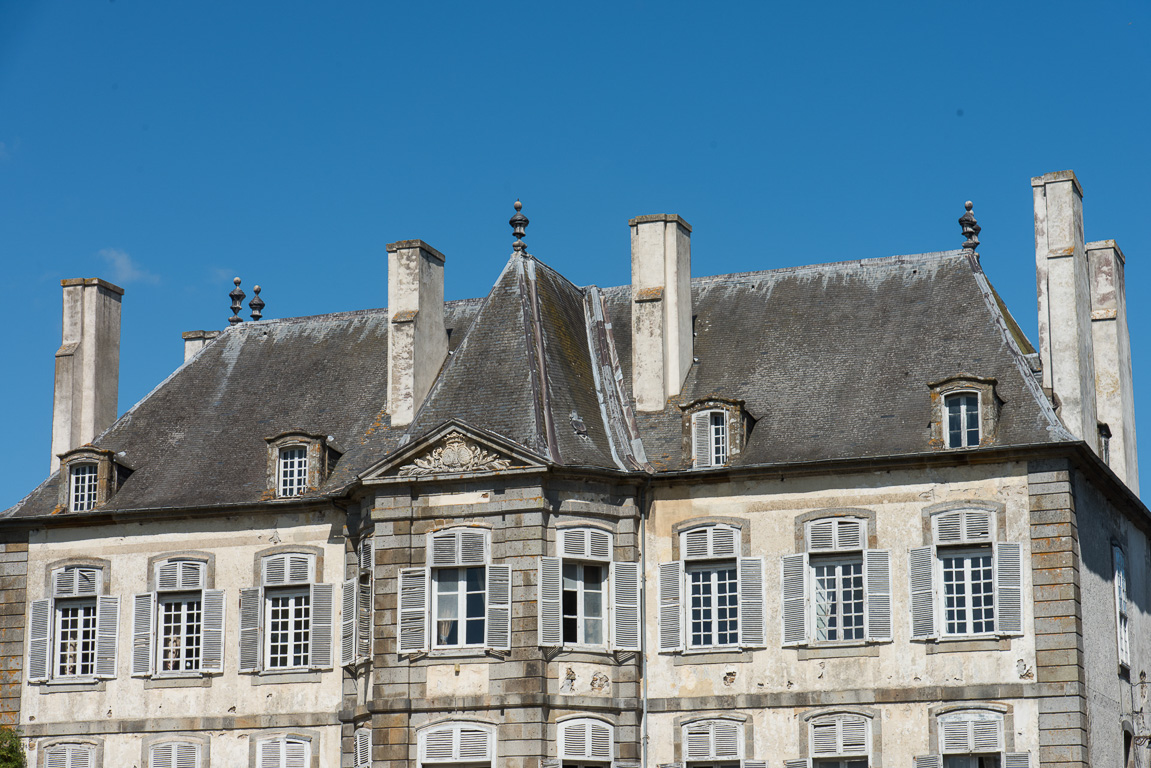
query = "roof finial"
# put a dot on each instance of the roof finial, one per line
(970, 228)
(237, 303)
(256, 304)
(519, 224)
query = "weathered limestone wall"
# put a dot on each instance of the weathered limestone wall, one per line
(13, 582)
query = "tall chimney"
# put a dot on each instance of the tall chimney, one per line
(1111, 341)
(661, 351)
(417, 338)
(87, 364)
(1064, 295)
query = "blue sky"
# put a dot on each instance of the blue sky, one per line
(170, 146)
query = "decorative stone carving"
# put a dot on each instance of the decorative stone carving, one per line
(457, 454)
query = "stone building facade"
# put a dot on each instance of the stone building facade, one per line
(842, 515)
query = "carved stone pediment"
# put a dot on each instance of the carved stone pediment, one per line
(455, 453)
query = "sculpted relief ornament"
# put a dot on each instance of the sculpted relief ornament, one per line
(457, 454)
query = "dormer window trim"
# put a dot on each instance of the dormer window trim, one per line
(290, 474)
(954, 425)
(89, 477)
(715, 430)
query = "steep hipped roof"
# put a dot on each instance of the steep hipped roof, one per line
(832, 361)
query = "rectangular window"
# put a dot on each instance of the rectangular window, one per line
(583, 594)
(714, 606)
(838, 598)
(75, 638)
(460, 599)
(83, 488)
(288, 628)
(962, 420)
(971, 761)
(968, 591)
(293, 471)
(718, 437)
(181, 625)
(1121, 609)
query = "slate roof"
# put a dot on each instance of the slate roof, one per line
(832, 361)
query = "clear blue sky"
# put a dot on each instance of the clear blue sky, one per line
(168, 146)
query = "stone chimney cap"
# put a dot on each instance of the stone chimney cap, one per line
(660, 217)
(73, 281)
(1051, 178)
(405, 245)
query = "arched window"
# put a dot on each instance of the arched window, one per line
(457, 744)
(586, 741)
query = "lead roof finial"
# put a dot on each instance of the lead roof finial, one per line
(237, 303)
(519, 224)
(256, 304)
(971, 229)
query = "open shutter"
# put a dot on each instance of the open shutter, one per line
(921, 566)
(625, 592)
(1009, 588)
(413, 610)
(499, 620)
(701, 438)
(250, 600)
(1016, 760)
(752, 632)
(363, 755)
(39, 640)
(107, 633)
(348, 622)
(550, 619)
(364, 621)
(323, 599)
(671, 606)
(877, 580)
(794, 588)
(367, 555)
(213, 658)
(929, 761)
(143, 615)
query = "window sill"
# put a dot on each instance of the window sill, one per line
(73, 685)
(178, 681)
(718, 656)
(459, 653)
(815, 651)
(286, 677)
(968, 644)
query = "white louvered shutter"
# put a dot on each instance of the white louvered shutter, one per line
(296, 753)
(550, 619)
(474, 744)
(39, 640)
(955, 735)
(364, 606)
(806, 763)
(76, 582)
(289, 568)
(162, 756)
(929, 761)
(671, 606)
(977, 525)
(701, 438)
(473, 547)
(367, 555)
(499, 618)
(986, 735)
(585, 544)
(600, 741)
(187, 755)
(191, 576)
(821, 535)
(107, 634)
(696, 543)
(753, 764)
(574, 743)
(348, 622)
(168, 580)
(363, 748)
(877, 581)
(213, 604)
(697, 741)
(413, 610)
(1016, 760)
(275, 571)
(853, 736)
(725, 739)
(921, 567)
(949, 527)
(850, 533)
(143, 619)
(251, 601)
(1009, 589)
(625, 606)
(323, 603)
(793, 574)
(444, 549)
(724, 541)
(439, 745)
(270, 753)
(825, 738)
(752, 599)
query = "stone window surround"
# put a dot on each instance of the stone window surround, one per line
(802, 520)
(740, 524)
(738, 425)
(871, 714)
(322, 456)
(95, 742)
(420, 541)
(746, 723)
(279, 549)
(989, 405)
(104, 566)
(997, 509)
(205, 743)
(108, 478)
(207, 558)
(312, 737)
(1005, 710)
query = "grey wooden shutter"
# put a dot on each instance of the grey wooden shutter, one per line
(143, 618)
(213, 628)
(921, 567)
(671, 606)
(413, 610)
(550, 618)
(367, 555)
(473, 547)
(499, 619)
(323, 599)
(805, 763)
(39, 640)
(625, 591)
(929, 761)
(794, 588)
(444, 549)
(753, 764)
(725, 739)
(363, 747)
(752, 631)
(251, 602)
(701, 438)
(364, 607)
(107, 633)
(1009, 588)
(1016, 760)
(877, 582)
(348, 622)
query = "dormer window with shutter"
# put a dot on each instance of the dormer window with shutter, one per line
(586, 742)
(715, 430)
(838, 590)
(587, 599)
(178, 627)
(839, 740)
(299, 462)
(73, 633)
(712, 597)
(972, 738)
(966, 584)
(460, 600)
(286, 622)
(457, 744)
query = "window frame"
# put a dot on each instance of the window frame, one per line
(964, 417)
(967, 553)
(837, 561)
(91, 470)
(592, 754)
(288, 571)
(199, 747)
(283, 739)
(1122, 609)
(713, 569)
(94, 748)
(296, 474)
(457, 758)
(45, 650)
(463, 619)
(841, 753)
(581, 616)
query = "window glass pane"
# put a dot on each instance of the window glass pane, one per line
(288, 624)
(968, 592)
(293, 471)
(75, 638)
(180, 634)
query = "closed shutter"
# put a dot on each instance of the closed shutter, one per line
(179, 575)
(296, 753)
(821, 535)
(39, 640)
(985, 735)
(499, 619)
(250, 614)
(697, 741)
(825, 738)
(805, 763)
(288, 568)
(849, 533)
(143, 617)
(269, 754)
(348, 622)
(794, 588)
(625, 590)
(929, 761)
(187, 755)
(877, 579)
(473, 547)
(701, 438)
(921, 567)
(600, 746)
(574, 742)
(107, 634)
(162, 756)
(176, 754)
(725, 735)
(550, 618)
(585, 544)
(364, 620)
(753, 764)
(752, 632)
(1016, 760)
(853, 736)
(363, 747)
(213, 658)
(671, 607)
(474, 744)
(323, 599)
(413, 610)
(1009, 588)
(955, 735)
(367, 556)
(949, 528)
(439, 745)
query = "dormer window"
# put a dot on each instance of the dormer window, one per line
(714, 431)
(962, 419)
(966, 412)
(88, 478)
(299, 462)
(82, 487)
(292, 472)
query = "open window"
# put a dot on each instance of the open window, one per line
(715, 430)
